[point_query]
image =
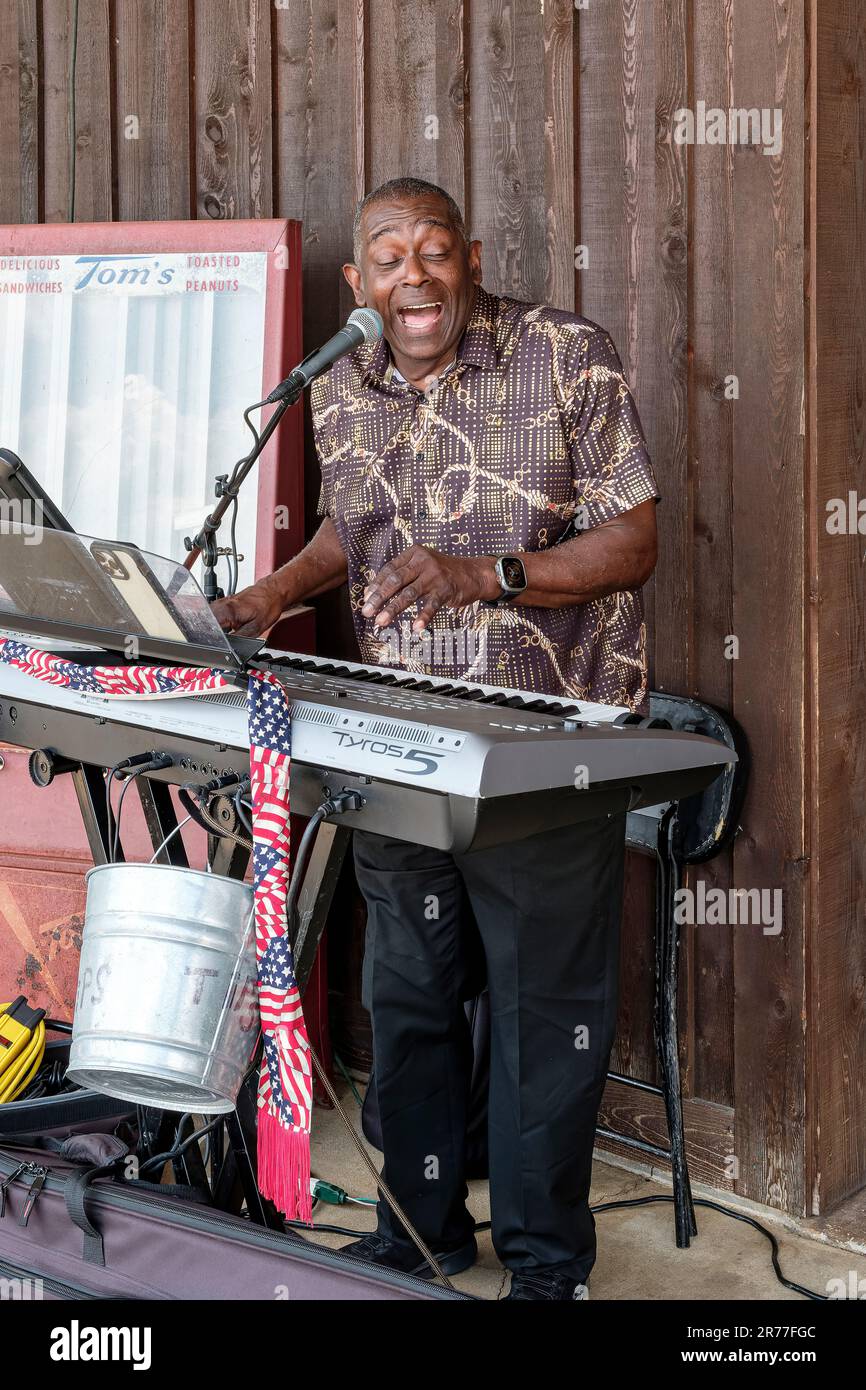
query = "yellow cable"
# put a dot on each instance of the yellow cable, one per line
(21, 1053)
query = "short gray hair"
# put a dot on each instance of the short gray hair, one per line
(405, 187)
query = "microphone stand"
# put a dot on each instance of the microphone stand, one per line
(204, 543)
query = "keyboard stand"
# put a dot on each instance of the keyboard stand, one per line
(234, 1178)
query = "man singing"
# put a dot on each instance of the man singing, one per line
(487, 494)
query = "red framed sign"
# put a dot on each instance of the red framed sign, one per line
(128, 352)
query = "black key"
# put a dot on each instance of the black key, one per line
(498, 699)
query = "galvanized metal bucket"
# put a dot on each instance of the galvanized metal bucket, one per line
(166, 1011)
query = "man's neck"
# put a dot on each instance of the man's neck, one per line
(423, 383)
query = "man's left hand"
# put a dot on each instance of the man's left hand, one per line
(421, 575)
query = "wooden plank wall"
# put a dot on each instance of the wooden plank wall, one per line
(552, 122)
(836, 425)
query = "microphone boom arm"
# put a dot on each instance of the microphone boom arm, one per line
(204, 543)
(364, 325)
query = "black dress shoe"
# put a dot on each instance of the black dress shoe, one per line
(379, 1250)
(547, 1284)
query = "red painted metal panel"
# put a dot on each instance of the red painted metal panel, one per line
(41, 919)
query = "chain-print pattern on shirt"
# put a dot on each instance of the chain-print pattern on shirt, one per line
(531, 426)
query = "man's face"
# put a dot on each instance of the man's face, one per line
(416, 271)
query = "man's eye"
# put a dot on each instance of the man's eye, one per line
(386, 265)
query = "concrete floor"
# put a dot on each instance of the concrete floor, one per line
(637, 1255)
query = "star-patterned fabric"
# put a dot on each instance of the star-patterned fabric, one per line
(285, 1090)
(530, 434)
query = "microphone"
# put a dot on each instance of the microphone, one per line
(362, 326)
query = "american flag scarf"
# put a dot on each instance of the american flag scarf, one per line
(285, 1081)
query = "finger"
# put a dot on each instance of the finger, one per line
(389, 581)
(391, 576)
(396, 562)
(427, 612)
(397, 603)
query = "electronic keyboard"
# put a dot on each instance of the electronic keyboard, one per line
(437, 762)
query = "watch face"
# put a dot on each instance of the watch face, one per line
(513, 573)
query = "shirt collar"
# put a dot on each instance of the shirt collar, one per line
(477, 346)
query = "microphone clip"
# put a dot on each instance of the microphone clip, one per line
(289, 390)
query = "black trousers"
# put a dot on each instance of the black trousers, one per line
(539, 920)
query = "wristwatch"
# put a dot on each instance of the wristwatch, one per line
(511, 574)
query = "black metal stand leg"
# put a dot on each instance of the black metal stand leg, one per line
(317, 892)
(192, 1163)
(666, 1032)
(161, 820)
(228, 859)
(89, 783)
(242, 1141)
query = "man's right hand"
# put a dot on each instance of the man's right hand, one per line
(320, 566)
(251, 612)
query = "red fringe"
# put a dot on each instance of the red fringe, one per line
(284, 1167)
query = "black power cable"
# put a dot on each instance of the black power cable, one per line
(735, 1216)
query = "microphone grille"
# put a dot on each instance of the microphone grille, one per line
(369, 322)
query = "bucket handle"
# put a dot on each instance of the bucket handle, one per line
(169, 836)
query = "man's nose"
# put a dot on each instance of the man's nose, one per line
(413, 270)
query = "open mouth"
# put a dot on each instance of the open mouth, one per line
(420, 318)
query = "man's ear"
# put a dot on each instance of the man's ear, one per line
(474, 254)
(353, 275)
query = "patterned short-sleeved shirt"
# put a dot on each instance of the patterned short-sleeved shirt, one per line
(530, 432)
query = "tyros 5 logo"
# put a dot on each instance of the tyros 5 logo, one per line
(120, 271)
(423, 762)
